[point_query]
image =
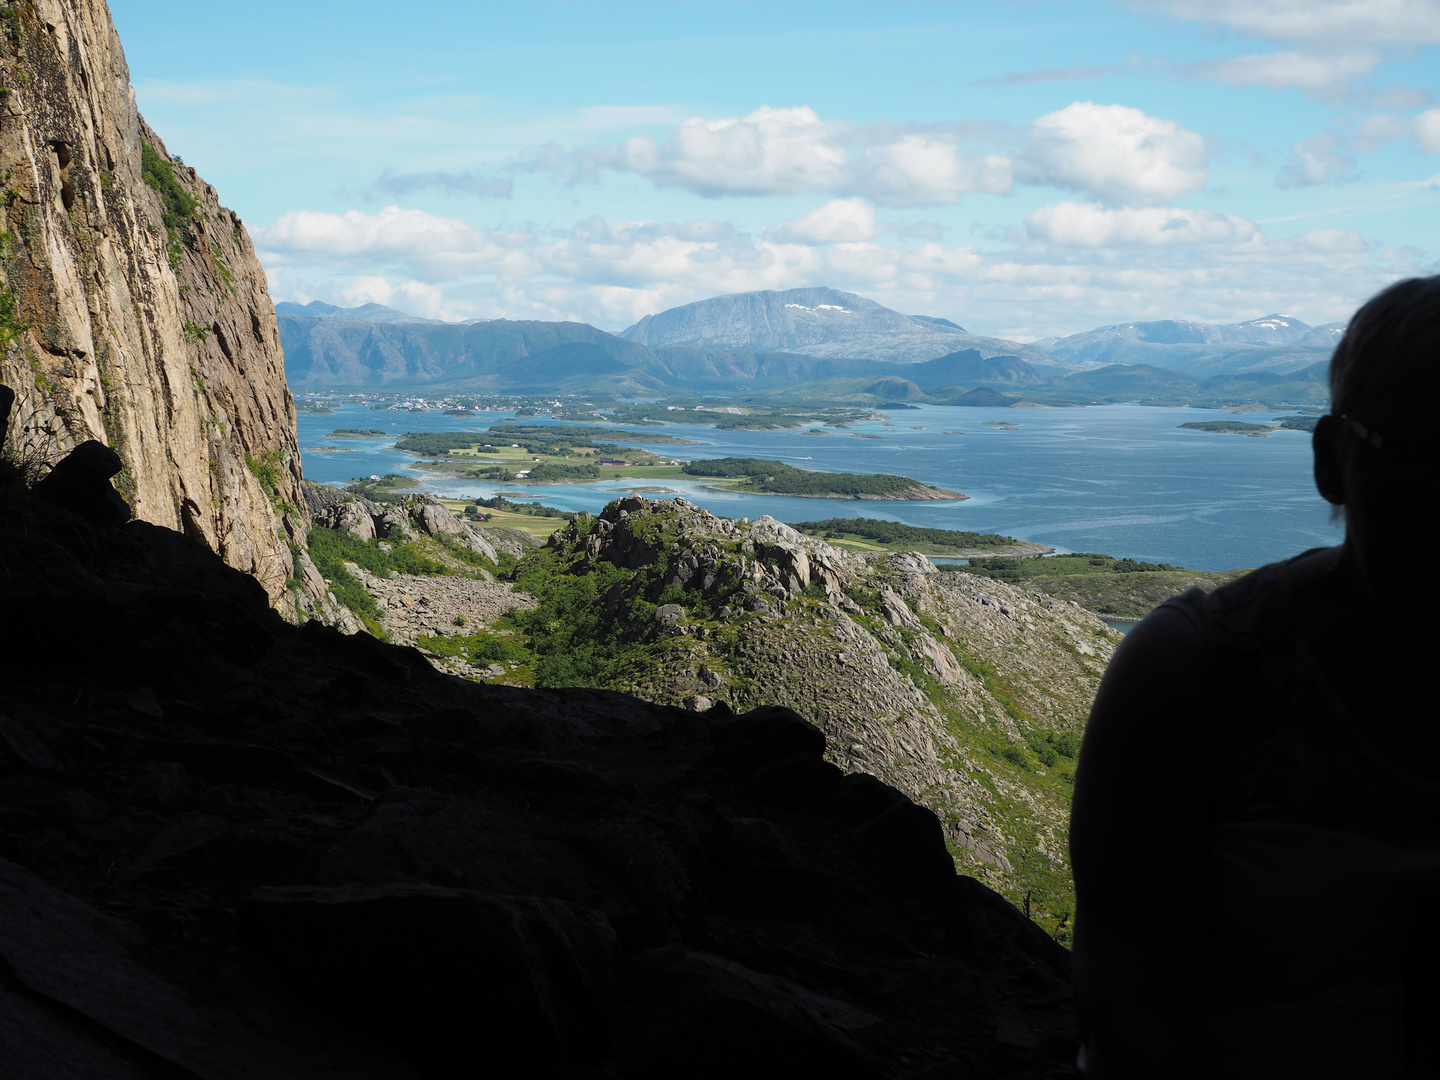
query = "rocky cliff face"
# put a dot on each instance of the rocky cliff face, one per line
(132, 307)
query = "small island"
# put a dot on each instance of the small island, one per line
(759, 476)
(1240, 427)
(358, 433)
(1230, 427)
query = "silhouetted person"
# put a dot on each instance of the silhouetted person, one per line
(1256, 824)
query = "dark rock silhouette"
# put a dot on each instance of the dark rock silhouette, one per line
(81, 482)
(7, 402)
(231, 847)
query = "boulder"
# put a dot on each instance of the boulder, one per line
(80, 482)
(432, 518)
(946, 666)
(896, 611)
(512, 542)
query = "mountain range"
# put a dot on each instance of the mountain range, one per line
(815, 342)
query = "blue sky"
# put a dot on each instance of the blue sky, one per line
(1026, 168)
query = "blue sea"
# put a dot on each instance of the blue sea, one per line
(1123, 480)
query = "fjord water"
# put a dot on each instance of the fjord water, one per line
(1124, 480)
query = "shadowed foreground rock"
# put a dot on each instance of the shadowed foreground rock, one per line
(236, 848)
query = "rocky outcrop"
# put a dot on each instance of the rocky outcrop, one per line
(231, 847)
(966, 694)
(425, 514)
(136, 313)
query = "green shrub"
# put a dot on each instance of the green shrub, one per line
(177, 205)
(337, 546)
(1015, 756)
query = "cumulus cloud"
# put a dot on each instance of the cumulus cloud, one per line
(1073, 224)
(792, 151)
(1344, 23)
(769, 152)
(1115, 153)
(1315, 160)
(921, 170)
(434, 247)
(838, 221)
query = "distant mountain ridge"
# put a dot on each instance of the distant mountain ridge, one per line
(813, 322)
(373, 346)
(1274, 342)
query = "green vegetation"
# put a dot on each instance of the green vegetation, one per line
(1016, 570)
(333, 547)
(177, 204)
(1123, 588)
(11, 325)
(386, 489)
(269, 469)
(585, 630)
(894, 533)
(777, 478)
(556, 442)
(1043, 767)
(10, 21)
(480, 649)
(356, 433)
(545, 472)
(533, 509)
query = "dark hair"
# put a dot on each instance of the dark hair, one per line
(1392, 345)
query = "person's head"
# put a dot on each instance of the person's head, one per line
(1375, 453)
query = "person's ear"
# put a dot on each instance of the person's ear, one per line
(1329, 476)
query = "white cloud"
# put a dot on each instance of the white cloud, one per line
(921, 170)
(1315, 160)
(1427, 131)
(1093, 226)
(793, 151)
(1066, 276)
(838, 221)
(415, 297)
(435, 247)
(1312, 72)
(1424, 128)
(1344, 23)
(769, 152)
(1114, 153)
